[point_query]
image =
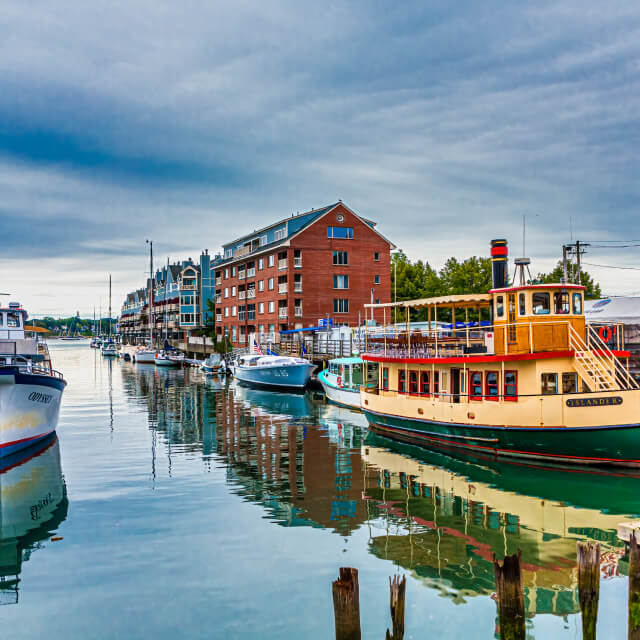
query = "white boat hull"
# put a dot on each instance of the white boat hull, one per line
(344, 397)
(167, 362)
(144, 357)
(29, 408)
(291, 376)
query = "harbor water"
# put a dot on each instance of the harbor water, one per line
(176, 505)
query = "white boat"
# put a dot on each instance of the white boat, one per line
(212, 363)
(30, 390)
(110, 349)
(342, 380)
(276, 372)
(169, 358)
(144, 355)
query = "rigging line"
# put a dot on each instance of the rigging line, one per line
(611, 266)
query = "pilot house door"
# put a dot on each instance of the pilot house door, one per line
(511, 331)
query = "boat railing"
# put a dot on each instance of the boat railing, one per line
(25, 365)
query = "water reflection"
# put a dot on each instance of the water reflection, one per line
(310, 464)
(443, 520)
(33, 503)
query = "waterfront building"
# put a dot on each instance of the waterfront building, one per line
(321, 265)
(180, 292)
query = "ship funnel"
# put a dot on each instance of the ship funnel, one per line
(499, 263)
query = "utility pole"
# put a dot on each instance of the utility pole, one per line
(565, 279)
(578, 260)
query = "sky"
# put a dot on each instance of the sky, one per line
(193, 123)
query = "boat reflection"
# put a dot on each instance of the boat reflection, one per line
(33, 503)
(443, 519)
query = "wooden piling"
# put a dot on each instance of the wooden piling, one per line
(589, 586)
(634, 587)
(397, 590)
(510, 593)
(346, 604)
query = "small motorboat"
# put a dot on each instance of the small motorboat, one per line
(342, 380)
(110, 349)
(144, 355)
(169, 358)
(274, 372)
(212, 364)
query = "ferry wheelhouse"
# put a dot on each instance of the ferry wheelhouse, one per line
(517, 372)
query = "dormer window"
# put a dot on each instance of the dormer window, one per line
(280, 234)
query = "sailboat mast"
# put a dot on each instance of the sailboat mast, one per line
(150, 292)
(100, 320)
(166, 303)
(109, 305)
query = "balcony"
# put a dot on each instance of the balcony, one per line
(251, 293)
(251, 273)
(241, 316)
(297, 262)
(218, 280)
(282, 313)
(218, 299)
(251, 315)
(241, 275)
(242, 295)
(298, 312)
(282, 264)
(297, 287)
(282, 288)
(218, 317)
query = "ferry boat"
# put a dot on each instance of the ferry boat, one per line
(275, 372)
(536, 383)
(342, 380)
(30, 389)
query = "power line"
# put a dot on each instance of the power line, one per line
(611, 266)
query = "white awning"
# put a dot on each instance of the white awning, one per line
(462, 300)
(622, 309)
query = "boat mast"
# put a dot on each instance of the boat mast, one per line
(166, 303)
(100, 320)
(150, 243)
(109, 305)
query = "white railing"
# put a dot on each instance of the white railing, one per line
(251, 293)
(241, 275)
(282, 313)
(242, 295)
(218, 317)
(282, 288)
(282, 264)
(297, 263)
(297, 287)
(251, 273)
(298, 312)
(218, 280)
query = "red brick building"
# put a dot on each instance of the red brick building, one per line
(325, 263)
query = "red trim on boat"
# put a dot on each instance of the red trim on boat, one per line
(10, 444)
(510, 357)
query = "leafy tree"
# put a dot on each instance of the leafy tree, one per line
(473, 275)
(592, 288)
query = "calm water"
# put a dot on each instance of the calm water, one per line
(192, 509)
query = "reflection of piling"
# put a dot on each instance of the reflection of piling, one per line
(510, 595)
(589, 586)
(634, 588)
(346, 604)
(397, 589)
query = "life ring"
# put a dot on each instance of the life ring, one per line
(605, 333)
(340, 381)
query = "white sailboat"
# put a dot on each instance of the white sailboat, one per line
(168, 357)
(109, 347)
(147, 354)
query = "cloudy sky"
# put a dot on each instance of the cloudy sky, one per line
(194, 122)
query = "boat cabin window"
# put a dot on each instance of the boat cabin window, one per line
(522, 301)
(356, 375)
(561, 302)
(511, 385)
(541, 303)
(402, 381)
(475, 385)
(385, 378)
(372, 376)
(491, 385)
(413, 383)
(424, 383)
(1, 319)
(499, 306)
(13, 319)
(569, 382)
(549, 384)
(577, 304)
(436, 383)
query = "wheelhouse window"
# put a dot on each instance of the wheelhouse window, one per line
(569, 382)
(385, 378)
(549, 384)
(413, 383)
(402, 381)
(577, 304)
(340, 232)
(424, 383)
(561, 302)
(522, 303)
(541, 303)
(499, 306)
(475, 385)
(13, 319)
(491, 385)
(511, 385)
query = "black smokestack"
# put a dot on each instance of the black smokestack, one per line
(499, 263)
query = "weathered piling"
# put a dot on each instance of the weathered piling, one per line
(346, 604)
(634, 587)
(510, 593)
(589, 586)
(397, 590)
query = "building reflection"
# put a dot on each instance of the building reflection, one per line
(33, 504)
(443, 520)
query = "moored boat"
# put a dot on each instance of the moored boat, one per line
(276, 372)
(342, 380)
(110, 349)
(212, 363)
(30, 389)
(537, 383)
(169, 358)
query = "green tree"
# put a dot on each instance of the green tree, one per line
(592, 288)
(473, 275)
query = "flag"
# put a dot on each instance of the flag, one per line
(256, 348)
(304, 349)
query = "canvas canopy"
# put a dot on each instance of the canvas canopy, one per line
(623, 309)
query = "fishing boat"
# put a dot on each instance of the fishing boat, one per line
(30, 389)
(275, 372)
(342, 380)
(212, 363)
(536, 383)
